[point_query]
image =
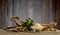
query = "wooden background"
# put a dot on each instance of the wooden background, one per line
(42, 11)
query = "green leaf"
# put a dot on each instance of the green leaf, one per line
(27, 24)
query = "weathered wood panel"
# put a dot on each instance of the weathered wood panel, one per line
(0, 11)
(39, 10)
(57, 12)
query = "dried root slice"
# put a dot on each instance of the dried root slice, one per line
(53, 29)
(19, 29)
(11, 30)
(8, 27)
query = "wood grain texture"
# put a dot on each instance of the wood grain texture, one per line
(39, 10)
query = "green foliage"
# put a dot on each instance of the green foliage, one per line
(27, 24)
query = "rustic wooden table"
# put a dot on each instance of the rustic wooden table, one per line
(2, 32)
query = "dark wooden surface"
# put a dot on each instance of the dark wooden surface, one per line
(57, 12)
